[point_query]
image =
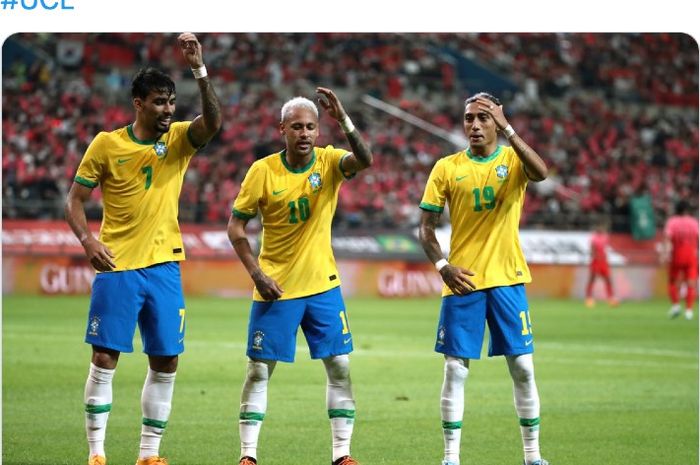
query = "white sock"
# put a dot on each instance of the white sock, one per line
(452, 405)
(340, 403)
(156, 401)
(527, 403)
(253, 405)
(98, 404)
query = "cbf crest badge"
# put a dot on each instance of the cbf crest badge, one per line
(258, 337)
(94, 326)
(161, 149)
(501, 171)
(315, 181)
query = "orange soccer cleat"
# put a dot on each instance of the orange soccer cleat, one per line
(155, 460)
(346, 460)
(97, 460)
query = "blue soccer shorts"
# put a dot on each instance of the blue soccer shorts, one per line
(463, 319)
(273, 325)
(150, 297)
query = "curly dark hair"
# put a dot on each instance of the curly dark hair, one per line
(151, 79)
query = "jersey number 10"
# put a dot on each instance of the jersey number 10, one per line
(301, 208)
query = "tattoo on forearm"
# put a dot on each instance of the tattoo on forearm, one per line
(430, 244)
(211, 107)
(359, 148)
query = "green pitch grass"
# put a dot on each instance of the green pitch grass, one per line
(617, 386)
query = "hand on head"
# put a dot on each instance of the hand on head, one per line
(495, 111)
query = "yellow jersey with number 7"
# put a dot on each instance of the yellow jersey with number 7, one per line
(140, 182)
(485, 197)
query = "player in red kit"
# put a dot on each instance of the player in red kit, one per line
(681, 252)
(599, 265)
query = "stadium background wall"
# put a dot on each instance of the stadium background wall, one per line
(43, 257)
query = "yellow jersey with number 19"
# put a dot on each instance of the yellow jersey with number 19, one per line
(485, 197)
(297, 207)
(140, 182)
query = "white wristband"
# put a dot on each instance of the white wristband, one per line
(508, 131)
(440, 264)
(200, 72)
(346, 125)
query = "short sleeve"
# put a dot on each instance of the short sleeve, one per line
(336, 159)
(92, 166)
(435, 190)
(246, 204)
(182, 138)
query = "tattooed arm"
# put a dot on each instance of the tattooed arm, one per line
(456, 278)
(361, 156)
(207, 124)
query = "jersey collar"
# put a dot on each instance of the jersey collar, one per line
(493, 155)
(132, 136)
(298, 170)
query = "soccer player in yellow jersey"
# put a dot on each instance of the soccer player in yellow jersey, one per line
(484, 187)
(296, 278)
(140, 170)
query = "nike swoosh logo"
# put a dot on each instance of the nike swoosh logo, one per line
(121, 161)
(278, 192)
(527, 343)
(345, 341)
(459, 178)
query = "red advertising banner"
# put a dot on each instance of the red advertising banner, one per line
(45, 258)
(56, 238)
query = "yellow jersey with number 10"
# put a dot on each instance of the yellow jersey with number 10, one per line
(485, 198)
(140, 182)
(297, 207)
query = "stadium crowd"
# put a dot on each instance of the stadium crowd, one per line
(614, 115)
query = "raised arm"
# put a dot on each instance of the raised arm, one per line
(456, 278)
(206, 125)
(535, 167)
(266, 286)
(361, 156)
(98, 254)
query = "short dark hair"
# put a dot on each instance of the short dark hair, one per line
(485, 95)
(683, 206)
(151, 79)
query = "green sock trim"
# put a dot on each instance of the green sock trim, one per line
(451, 425)
(154, 423)
(251, 416)
(529, 421)
(98, 408)
(340, 413)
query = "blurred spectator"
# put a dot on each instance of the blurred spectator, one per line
(611, 114)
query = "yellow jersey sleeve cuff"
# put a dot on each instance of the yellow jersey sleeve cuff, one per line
(85, 182)
(431, 208)
(243, 215)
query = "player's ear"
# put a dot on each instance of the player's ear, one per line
(282, 127)
(138, 103)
